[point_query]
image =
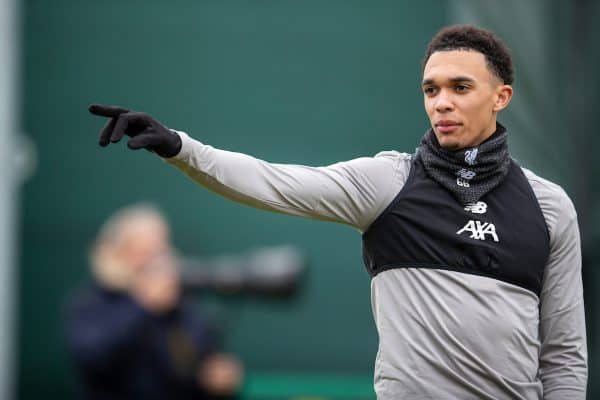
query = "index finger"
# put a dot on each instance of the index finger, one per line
(106, 111)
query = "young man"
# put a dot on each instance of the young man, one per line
(475, 261)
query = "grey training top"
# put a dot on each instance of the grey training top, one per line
(533, 347)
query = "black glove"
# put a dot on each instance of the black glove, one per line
(145, 131)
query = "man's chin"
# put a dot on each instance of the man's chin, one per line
(449, 144)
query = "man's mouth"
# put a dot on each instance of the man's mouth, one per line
(447, 126)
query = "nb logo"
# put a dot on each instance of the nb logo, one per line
(470, 156)
(479, 230)
(466, 174)
(476, 207)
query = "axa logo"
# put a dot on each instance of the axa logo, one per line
(478, 207)
(479, 230)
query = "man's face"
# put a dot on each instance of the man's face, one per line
(462, 97)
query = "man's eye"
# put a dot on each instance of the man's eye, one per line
(429, 90)
(460, 88)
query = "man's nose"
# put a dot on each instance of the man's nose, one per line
(443, 102)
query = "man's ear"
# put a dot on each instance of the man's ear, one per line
(503, 95)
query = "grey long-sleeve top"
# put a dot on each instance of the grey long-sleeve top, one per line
(515, 346)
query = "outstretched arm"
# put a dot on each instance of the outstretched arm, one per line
(353, 192)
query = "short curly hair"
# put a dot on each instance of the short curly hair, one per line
(472, 38)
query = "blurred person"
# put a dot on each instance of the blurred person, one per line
(130, 334)
(475, 261)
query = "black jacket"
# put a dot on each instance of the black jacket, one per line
(123, 352)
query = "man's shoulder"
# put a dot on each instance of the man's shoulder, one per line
(401, 161)
(389, 160)
(552, 198)
(545, 188)
(394, 155)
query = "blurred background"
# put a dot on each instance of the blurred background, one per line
(310, 82)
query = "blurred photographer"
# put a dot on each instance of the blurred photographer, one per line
(130, 334)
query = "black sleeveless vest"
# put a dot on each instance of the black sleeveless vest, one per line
(503, 236)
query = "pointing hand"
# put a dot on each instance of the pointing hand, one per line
(145, 131)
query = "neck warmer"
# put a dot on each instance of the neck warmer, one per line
(467, 173)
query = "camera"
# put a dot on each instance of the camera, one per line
(268, 271)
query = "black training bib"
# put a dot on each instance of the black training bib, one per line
(502, 236)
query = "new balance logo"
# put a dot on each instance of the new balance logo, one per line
(476, 207)
(466, 174)
(470, 156)
(479, 229)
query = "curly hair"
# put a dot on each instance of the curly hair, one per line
(472, 38)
